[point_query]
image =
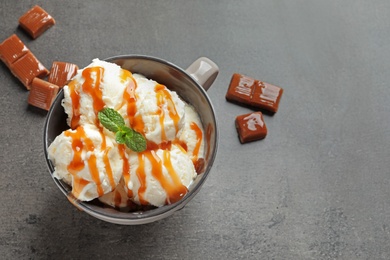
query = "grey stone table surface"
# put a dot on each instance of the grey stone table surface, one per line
(317, 187)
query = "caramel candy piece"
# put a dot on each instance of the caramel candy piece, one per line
(11, 49)
(27, 68)
(36, 21)
(251, 127)
(42, 93)
(62, 72)
(255, 93)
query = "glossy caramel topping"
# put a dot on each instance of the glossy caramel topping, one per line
(130, 98)
(62, 72)
(164, 98)
(42, 93)
(176, 190)
(199, 137)
(141, 178)
(91, 86)
(11, 49)
(81, 143)
(173, 187)
(75, 97)
(126, 167)
(92, 79)
(36, 21)
(107, 166)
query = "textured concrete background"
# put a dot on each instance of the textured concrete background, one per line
(318, 187)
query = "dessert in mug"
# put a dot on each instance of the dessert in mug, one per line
(91, 158)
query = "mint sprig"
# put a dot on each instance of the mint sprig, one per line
(114, 122)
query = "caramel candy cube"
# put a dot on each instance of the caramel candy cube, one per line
(240, 89)
(255, 93)
(62, 72)
(36, 21)
(42, 93)
(251, 127)
(27, 68)
(11, 49)
(266, 96)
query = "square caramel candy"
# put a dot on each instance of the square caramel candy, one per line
(42, 93)
(266, 96)
(62, 72)
(36, 21)
(27, 68)
(251, 127)
(240, 89)
(255, 93)
(12, 49)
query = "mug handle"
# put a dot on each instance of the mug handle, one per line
(204, 71)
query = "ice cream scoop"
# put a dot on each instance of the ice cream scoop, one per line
(86, 159)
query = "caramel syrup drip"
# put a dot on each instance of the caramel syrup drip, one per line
(130, 98)
(108, 168)
(126, 167)
(164, 97)
(141, 178)
(75, 97)
(198, 163)
(81, 142)
(194, 127)
(174, 188)
(91, 86)
(106, 159)
(117, 198)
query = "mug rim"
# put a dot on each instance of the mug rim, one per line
(134, 218)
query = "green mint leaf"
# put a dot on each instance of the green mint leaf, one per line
(111, 119)
(114, 122)
(128, 131)
(120, 137)
(137, 143)
(123, 133)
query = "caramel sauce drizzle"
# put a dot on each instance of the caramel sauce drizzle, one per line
(75, 97)
(194, 127)
(91, 86)
(107, 166)
(198, 163)
(106, 160)
(174, 188)
(117, 198)
(130, 98)
(126, 167)
(164, 97)
(81, 142)
(141, 178)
